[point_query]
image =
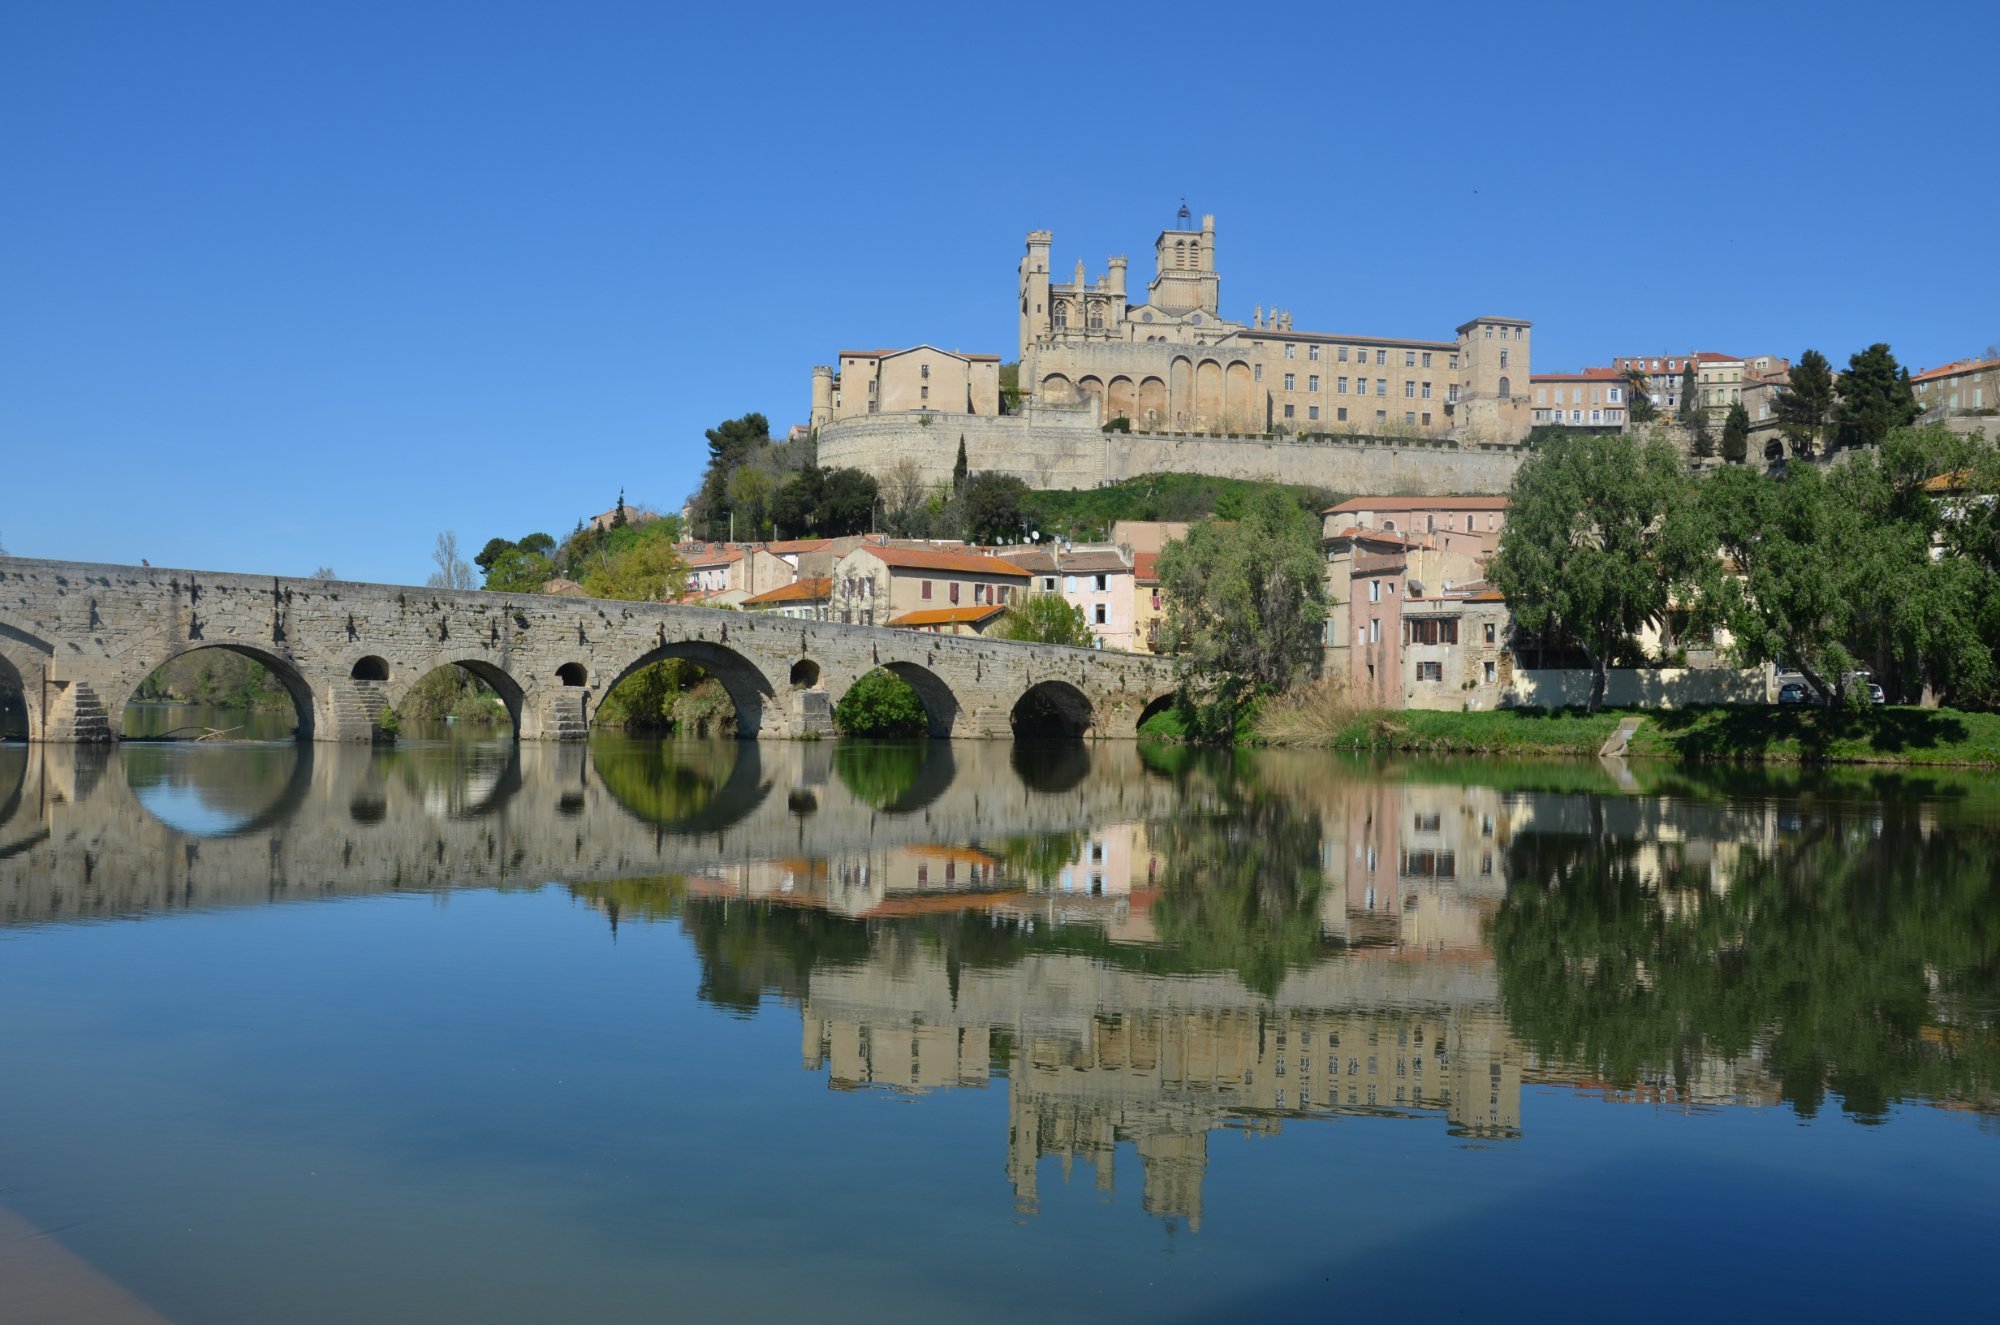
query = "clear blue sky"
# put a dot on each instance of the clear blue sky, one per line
(288, 285)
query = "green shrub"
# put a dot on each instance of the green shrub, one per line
(880, 704)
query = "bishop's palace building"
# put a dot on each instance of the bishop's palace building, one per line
(1195, 391)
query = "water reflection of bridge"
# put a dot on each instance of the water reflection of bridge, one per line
(78, 841)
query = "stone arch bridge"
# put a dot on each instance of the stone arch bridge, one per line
(80, 638)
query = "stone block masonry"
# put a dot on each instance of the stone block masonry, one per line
(82, 637)
(1063, 448)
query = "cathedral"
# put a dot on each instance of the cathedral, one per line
(1173, 363)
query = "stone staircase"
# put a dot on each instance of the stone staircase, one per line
(89, 719)
(562, 718)
(356, 706)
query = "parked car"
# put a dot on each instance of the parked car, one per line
(1797, 692)
(1875, 695)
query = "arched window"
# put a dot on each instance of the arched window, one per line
(1194, 255)
(1061, 312)
(1506, 388)
(1180, 254)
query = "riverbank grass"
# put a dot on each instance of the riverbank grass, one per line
(1889, 735)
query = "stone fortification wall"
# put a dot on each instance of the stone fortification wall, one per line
(1063, 448)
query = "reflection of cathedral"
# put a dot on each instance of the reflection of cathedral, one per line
(1095, 1055)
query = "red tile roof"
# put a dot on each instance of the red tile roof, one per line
(1146, 567)
(812, 589)
(1954, 368)
(787, 545)
(1583, 375)
(940, 616)
(965, 563)
(1419, 504)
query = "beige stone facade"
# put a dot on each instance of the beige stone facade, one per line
(1967, 387)
(872, 586)
(921, 380)
(1593, 398)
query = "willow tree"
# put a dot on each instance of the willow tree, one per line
(1601, 541)
(1246, 602)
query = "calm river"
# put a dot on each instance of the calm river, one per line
(971, 1032)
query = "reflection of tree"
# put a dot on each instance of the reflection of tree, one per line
(1042, 857)
(661, 782)
(1860, 957)
(1242, 887)
(749, 949)
(880, 773)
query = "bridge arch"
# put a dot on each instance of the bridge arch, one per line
(13, 702)
(1154, 708)
(496, 679)
(1052, 708)
(744, 681)
(305, 703)
(941, 706)
(369, 667)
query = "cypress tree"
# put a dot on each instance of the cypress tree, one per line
(1690, 409)
(958, 469)
(1736, 434)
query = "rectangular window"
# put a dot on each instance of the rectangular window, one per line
(1291, 351)
(1340, 415)
(1381, 386)
(1503, 358)
(1492, 672)
(1100, 584)
(1427, 358)
(1430, 671)
(1100, 614)
(1340, 385)
(1341, 353)
(1288, 411)
(954, 591)
(1427, 391)
(1454, 362)
(1432, 630)
(1381, 358)
(1410, 417)
(1409, 358)
(1374, 591)
(1312, 352)
(1289, 379)
(1491, 630)
(1312, 382)
(1451, 393)
(1541, 395)
(1312, 411)
(1381, 416)
(927, 590)
(1375, 630)
(1409, 389)
(1427, 419)
(923, 393)
(1256, 372)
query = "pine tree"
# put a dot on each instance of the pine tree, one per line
(618, 513)
(958, 469)
(1736, 434)
(1806, 403)
(1875, 398)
